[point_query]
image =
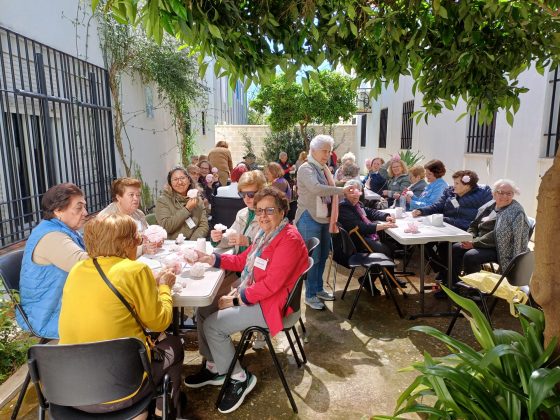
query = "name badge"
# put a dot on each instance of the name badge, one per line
(260, 263)
(455, 202)
(322, 209)
(190, 223)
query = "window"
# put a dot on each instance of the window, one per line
(552, 135)
(363, 130)
(480, 138)
(406, 127)
(203, 123)
(383, 128)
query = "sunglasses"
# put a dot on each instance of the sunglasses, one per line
(250, 194)
(269, 211)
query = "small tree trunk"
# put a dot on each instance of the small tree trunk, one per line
(117, 116)
(545, 285)
(302, 127)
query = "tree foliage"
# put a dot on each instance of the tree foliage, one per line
(328, 97)
(289, 141)
(469, 49)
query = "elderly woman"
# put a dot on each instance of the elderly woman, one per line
(52, 249)
(177, 212)
(270, 268)
(435, 170)
(302, 158)
(231, 190)
(208, 180)
(397, 174)
(500, 231)
(285, 165)
(347, 159)
(459, 205)
(220, 157)
(317, 213)
(275, 176)
(91, 311)
(376, 179)
(126, 196)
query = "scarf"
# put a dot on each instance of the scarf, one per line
(250, 217)
(363, 216)
(325, 177)
(261, 241)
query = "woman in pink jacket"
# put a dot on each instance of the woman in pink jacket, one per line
(269, 270)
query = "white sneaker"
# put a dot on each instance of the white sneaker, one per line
(324, 295)
(315, 303)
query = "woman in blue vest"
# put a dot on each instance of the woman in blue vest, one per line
(52, 249)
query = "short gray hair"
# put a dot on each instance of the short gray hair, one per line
(506, 181)
(321, 140)
(348, 156)
(353, 183)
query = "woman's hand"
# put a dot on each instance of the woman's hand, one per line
(396, 195)
(165, 277)
(191, 204)
(203, 258)
(390, 219)
(348, 189)
(385, 193)
(238, 240)
(408, 198)
(226, 301)
(216, 235)
(383, 226)
(467, 245)
(149, 247)
(416, 213)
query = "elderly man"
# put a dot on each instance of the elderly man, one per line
(500, 231)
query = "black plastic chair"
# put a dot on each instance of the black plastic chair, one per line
(345, 254)
(224, 210)
(67, 376)
(289, 321)
(310, 244)
(518, 273)
(10, 267)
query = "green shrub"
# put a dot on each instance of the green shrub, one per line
(511, 377)
(13, 343)
(289, 141)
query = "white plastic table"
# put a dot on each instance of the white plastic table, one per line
(427, 233)
(370, 195)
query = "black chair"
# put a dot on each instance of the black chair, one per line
(67, 376)
(518, 273)
(292, 211)
(310, 244)
(10, 267)
(224, 210)
(345, 254)
(289, 321)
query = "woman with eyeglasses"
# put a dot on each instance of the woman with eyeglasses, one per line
(500, 231)
(178, 210)
(245, 225)
(270, 268)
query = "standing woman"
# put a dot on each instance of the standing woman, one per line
(52, 249)
(178, 213)
(220, 157)
(317, 213)
(275, 176)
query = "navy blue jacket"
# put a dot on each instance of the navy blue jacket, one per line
(349, 218)
(375, 182)
(464, 214)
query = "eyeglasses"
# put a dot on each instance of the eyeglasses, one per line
(268, 210)
(506, 193)
(250, 194)
(179, 179)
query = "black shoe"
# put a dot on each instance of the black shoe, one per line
(235, 393)
(204, 377)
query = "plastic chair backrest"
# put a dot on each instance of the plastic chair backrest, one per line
(311, 244)
(294, 298)
(532, 225)
(224, 210)
(89, 373)
(520, 269)
(343, 247)
(10, 267)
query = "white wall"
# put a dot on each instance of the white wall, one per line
(518, 150)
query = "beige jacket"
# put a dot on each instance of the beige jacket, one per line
(172, 215)
(220, 157)
(240, 226)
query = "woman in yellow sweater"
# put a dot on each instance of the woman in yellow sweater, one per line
(91, 311)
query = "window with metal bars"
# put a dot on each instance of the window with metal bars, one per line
(552, 135)
(383, 116)
(406, 126)
(480, 138)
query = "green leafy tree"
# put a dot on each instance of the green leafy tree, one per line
(325, 99)
(289, 141)
(470, 50)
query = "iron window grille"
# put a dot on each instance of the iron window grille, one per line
(480, 138)
(407, 123)
(55, 126)
(383, 117)
(553, 132)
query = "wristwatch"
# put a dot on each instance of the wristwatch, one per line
(236, 301)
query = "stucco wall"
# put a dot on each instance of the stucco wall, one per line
(343, 134)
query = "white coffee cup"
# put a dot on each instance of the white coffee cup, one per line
(398, 212)
(201, 244)
(437, 219)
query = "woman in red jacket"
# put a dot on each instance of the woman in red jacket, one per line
(269, 270)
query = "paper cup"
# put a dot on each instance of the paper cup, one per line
(398, 212)
(437, 219)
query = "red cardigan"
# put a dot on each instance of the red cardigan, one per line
(287, 260)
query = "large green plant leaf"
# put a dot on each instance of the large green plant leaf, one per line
(541, 384)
